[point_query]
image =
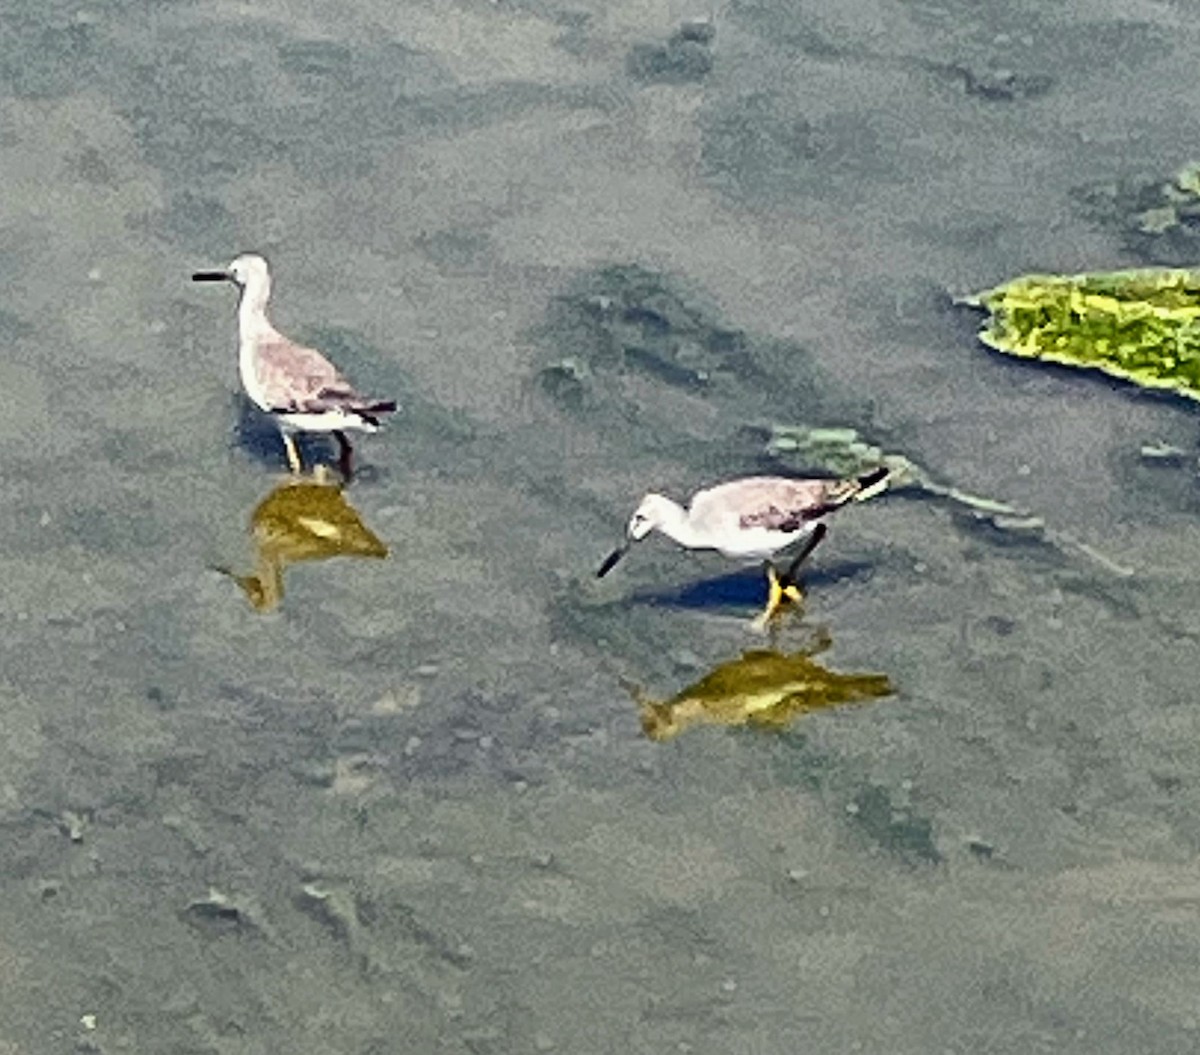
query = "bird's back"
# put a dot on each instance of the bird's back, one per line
(772, 502)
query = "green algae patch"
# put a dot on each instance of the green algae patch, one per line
(1141, 326)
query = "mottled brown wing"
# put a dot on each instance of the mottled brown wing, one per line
(788, 505)
(293, 376)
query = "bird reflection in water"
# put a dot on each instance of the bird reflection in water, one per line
(762, 687)
(302, 520)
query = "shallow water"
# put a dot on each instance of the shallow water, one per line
(412, 808)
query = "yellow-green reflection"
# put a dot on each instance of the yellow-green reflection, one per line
(302, 520)
(762, 687)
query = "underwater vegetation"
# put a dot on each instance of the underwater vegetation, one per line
(763, 688)
(1142, 326)
(842, 451)
(1157, 219)
(302, 521)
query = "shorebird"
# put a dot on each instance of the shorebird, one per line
(301, 389)
(750, 520)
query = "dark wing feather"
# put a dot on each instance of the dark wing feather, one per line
(351, 402)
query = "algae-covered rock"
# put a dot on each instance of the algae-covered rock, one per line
(1142, 326)
(762, 688)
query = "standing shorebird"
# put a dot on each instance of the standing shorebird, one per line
(301, 389)
(751, 520)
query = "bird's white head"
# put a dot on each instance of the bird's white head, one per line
(653, 512)
(250, 271)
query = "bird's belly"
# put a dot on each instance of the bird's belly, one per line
(326, 421)
(758, 544)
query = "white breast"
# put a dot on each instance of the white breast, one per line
(757, 544)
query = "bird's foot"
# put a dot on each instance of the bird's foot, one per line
(780, 594)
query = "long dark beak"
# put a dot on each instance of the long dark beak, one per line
(610, 561)
(211, 276)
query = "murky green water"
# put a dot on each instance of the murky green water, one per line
(412, 808)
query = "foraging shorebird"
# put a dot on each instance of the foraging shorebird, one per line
(301, 389)
(751, 520)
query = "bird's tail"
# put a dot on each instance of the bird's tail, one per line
(369, 411)
(860, 487)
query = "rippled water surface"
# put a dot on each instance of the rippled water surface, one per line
(595, 248)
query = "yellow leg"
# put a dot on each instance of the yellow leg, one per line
(293, 455)
(777, 596)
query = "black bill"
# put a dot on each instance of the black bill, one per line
(210, 276)
(610, 561)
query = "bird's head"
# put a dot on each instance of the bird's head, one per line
(249, 272)
(652, 512)
(249, 269)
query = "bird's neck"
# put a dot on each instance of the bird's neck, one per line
(252, 312)
(673, 522)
